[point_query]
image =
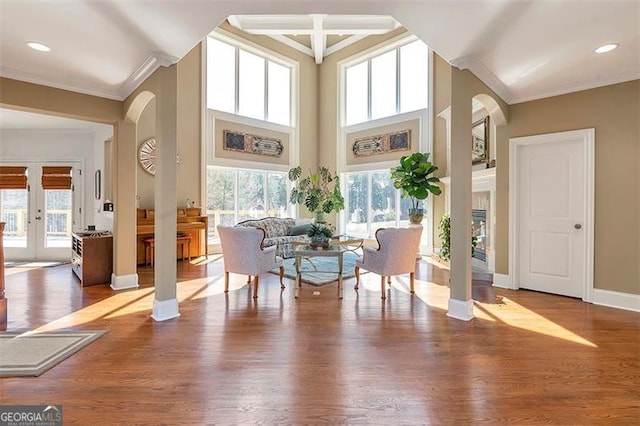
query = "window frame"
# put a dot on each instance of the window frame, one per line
(268, 56)
(212, 228)
(394, 44)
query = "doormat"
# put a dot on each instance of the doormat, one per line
(313, 269)
(25, 354)
(34, 264)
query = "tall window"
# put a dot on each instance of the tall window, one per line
(247, 83)
(372, 202)
(387, 83)
(234, 195)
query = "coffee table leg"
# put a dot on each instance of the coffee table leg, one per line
(340, 276)
(298, 276)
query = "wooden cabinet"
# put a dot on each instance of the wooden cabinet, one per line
(92, 258)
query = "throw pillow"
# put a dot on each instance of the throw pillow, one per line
(299, 229)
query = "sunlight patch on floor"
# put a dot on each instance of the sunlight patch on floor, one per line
(516, 315)
(140, 300)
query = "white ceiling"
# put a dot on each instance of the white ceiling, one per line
(522, 49)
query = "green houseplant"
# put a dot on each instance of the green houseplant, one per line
(445, 236)
(319, 192)
(320, 234)
(414, 176)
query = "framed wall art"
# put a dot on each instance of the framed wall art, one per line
(480, 141)
(253, 144)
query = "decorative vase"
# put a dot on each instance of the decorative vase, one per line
(416, 216)
(319, 241)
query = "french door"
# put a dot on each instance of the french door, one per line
(41, 215)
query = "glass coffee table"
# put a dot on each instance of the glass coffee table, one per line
(338, 246)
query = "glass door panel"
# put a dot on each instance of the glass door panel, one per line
(58, 217)
(14, 204)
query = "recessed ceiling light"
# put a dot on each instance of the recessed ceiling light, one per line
(606, 48)
(38, 46)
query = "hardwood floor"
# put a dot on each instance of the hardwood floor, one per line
(527, 358)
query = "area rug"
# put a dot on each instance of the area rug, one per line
(27, 354)
(312, 269)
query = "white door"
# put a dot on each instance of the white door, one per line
(39, 221)
(553, 219)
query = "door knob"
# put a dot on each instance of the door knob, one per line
(38, 218)
(577, 226)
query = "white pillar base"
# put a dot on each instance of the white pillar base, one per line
(165, 309)
(460, 309)
(124, 282)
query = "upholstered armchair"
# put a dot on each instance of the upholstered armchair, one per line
(396, 254)
(243, 254)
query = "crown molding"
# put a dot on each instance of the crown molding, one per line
(49, 81)
(605, 80)
(485, 74)
(154, 61)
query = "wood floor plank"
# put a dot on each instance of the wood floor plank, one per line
(527, 357)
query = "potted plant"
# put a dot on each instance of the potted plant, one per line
(445, 237)
(414, 176)
(319, 192)
(320, 235)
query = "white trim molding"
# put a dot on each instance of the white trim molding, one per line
(503, 281)
(588, 141)
(124, 282)
(616, 299)
(154, 61)
(460, 309)
(165, 309)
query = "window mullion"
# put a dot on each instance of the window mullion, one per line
(369, 95)
(265, 196)
(266, 90)
(369, 202)
(237, 82)
(235, 197)
(398, 99)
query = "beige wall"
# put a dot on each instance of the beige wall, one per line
(189, 129)
(441, 100)
(146, 129)
(30, 97)
(614, 112)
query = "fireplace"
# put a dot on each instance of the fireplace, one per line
(479, 217)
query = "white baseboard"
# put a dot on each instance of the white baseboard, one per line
(502, 281)
(165, 309)
(460, 309)
(124, 282)
(615, 299)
